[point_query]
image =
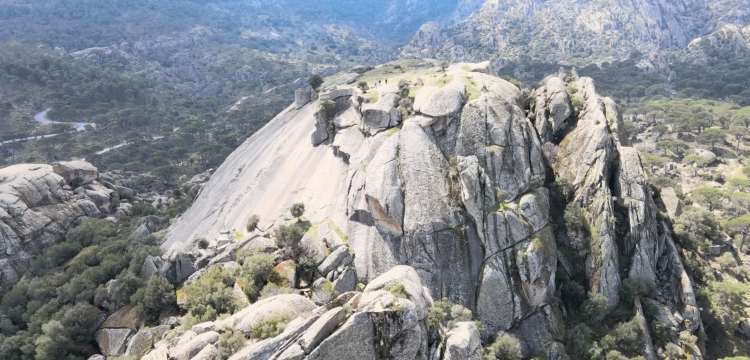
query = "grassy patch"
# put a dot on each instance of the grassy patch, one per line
(372, 96)
(472, 89)
(398, 290)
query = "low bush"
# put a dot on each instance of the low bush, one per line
(505, 347)
(269, 328)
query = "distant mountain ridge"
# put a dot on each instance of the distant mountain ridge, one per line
(576, 32)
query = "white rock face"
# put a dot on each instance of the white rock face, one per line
(463, 342)
(435, 101)
(457, 203)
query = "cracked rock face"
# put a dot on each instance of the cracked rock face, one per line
(461, 191)
(39, 203)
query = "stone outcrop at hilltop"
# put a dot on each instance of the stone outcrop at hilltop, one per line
(496, 198)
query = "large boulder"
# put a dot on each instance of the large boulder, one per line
(339, 257)
(553, 108)
(409, 279)
(439, 101)
(191, 346)
(76, 173)
(127, 317)
(113, 342)
(671, 202)
(463, 342)
(141, 343)
(382, 114)
(322, 328)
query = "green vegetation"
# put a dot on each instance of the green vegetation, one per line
(211, 295)
(230, 342)
(257, 272)
(157, 295)
(696, 228)
(269, 327)
(711, 198)
(315, 81)
(505, 347)
(53, 311)
(252, 223)
(739, 228)
(398, 290)
(444, 314)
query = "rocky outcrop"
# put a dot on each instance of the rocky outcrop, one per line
(463, 342)
(478, 196)
(623, 238)
(303, 96)
(382, 114)
(378, 323)
(114, 336)
(39, 203)
(553, 109)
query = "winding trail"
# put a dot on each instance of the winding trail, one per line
(42, 119)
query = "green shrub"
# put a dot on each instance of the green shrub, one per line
(289, 236)
(625, 337)
(505, 347)
(710, 197)
(398, 290)
(230, 342)
(728, 302)
(635, 287)
(315, 81)
(444, 314)
(594, 309)
(696, 228)
(272, 289)
(252, 223)
(328, 109)
(257, 271)
(574, 217)
(269, 327)
(580, 341)
(210, 295)
(158, 295)
(297, 210)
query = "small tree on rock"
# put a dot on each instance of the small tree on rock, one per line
(297, 210)
(252, 223)
(739, 228)
(505, 347)
(711, 197)
(712, 137)
(315, 81)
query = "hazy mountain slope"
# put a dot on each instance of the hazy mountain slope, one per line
(577, 32)
(195, 59)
